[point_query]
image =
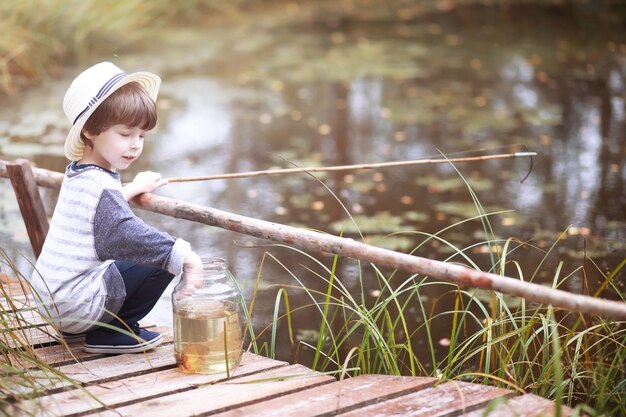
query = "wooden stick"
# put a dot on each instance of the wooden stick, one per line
(319, 242)
(350, 167)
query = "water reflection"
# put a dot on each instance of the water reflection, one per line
(354, 91)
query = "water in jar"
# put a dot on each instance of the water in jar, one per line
(200, 343)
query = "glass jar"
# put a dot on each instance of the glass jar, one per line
(208, 320)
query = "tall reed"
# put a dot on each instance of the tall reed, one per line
(491, 338)
(24, 373)
(572, 359)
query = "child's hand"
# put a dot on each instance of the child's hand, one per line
(148, 181)
(193, 263)
(144, 182)
(192, 270)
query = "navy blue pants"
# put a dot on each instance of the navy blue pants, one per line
(144, 286)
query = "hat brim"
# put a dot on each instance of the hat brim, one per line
(74, 146)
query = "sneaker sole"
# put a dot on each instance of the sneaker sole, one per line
(120, 349)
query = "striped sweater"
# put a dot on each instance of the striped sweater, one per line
(75, 280)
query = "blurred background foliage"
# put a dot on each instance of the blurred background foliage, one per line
(40, 37)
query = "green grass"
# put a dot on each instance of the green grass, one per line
(573, 359)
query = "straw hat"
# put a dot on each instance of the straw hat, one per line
(90, 89)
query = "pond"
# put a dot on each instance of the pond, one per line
(335, 85)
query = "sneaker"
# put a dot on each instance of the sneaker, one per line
(68, 338)
(103, 340)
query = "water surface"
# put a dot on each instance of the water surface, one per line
(357, 86)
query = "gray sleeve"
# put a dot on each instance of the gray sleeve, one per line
(120, 235)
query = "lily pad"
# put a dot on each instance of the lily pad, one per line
(362, 187)
(463, 209)
(437, 183)
(391, 242)
(308, 335)
(378, 223)
(416, 216)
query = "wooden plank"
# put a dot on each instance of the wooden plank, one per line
(14, 286)
(16, 303)
(21, 319)
(113, 367)
(449, 399)
(59, 354)
(35, 333)
(108, 368)
(32, 336)
(15, 296)
(13, 300)
(527, 405)
(342, 396)
(227, 395)
(142, 387)
(29, 201)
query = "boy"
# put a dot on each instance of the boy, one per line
(100, 263)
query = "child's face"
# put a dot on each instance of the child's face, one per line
(115, 148)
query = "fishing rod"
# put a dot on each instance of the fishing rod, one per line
(355, 167)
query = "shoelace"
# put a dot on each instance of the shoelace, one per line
(135, 328)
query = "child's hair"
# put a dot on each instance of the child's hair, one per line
(130, 105)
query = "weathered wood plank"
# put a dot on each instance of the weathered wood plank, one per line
(59, 354)
(32, 336)
(29, 201)
(29, 327)
(17, 297)
(121, 366)
(107, 368)
(449, 399)
(19, 319)
(522, 406)
(342, 396)
(15, 293)
(13, 286)
(127, 391)
(16, 303)
(226, 395)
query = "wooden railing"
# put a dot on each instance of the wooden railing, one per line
(24, 179)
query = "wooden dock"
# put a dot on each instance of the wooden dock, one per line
(150, 384)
